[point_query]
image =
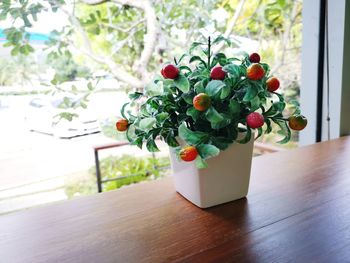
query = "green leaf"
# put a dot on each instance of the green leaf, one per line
(147, 123)
(255, 103)
(251, 92)
(221, 142)
(138, 142)
(89, 86)
(213, 116)
(188, 97)
(161, 117)
(15, 50)
(194, 46)
(226, 90)
(234, 107)
(192, 112)
(214, 87)
(182, 83)
(192, 137)
(200, 163)
(181, 58)
(284, 130)
(198, 58)
(122, 111)
(170, 139)
(207, 151)
(260, 132)
(151, 145)
(220, 39)
(247, 136)
(233, 69)
(154, 88)
(269, 127)
(199, 88)
(135, 95)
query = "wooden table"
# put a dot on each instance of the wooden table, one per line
(297, 210)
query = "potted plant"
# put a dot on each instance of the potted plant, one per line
(209, 111)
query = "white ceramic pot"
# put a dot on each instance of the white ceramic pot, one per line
(226, 178)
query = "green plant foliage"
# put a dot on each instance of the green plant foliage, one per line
(172, 113)
(127, 168)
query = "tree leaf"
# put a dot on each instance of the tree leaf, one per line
(200, 163)
(171, 140)
(213, 116)
(161, 117)
(138, 142)
(284, 130)
(198, 58)
(135, 95)
(225, 91)
(122, 111)
(220, 39)
(194, 46)
(260, 132)
(147, 123)
(214, 87)
(233, 69)
(221, 142)
(188, 97)
(255, 103)
(251, 92)
(247, 136)
(199, 88)
(151, 145)
(207, 151)
(234, 107)
(182, 83)
(192, 112)
(192, 137)
(269, 127)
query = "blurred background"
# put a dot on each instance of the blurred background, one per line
(66, 68)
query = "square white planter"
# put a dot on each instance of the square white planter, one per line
(226, 178)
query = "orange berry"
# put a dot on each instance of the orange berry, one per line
(272, 84)
(201, 102)
(122, 125)
(297, 122)
(255, 72)
(188, 153)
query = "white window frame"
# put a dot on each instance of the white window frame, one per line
(339, 71)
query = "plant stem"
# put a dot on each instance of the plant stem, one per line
(209, 45)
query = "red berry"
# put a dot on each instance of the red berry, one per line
(188, 154)
(255, 120)
(272, 84)
(201, 102)
(122, 125)
(162, 72)
(217, 73)
(254, 58)
(170, 71)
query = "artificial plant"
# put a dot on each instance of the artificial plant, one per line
(207, 100)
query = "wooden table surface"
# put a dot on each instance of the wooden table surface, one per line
(297, 210)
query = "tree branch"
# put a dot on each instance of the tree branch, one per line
(150, 37)
(286, 36)
(119, 73)
(231, 24)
